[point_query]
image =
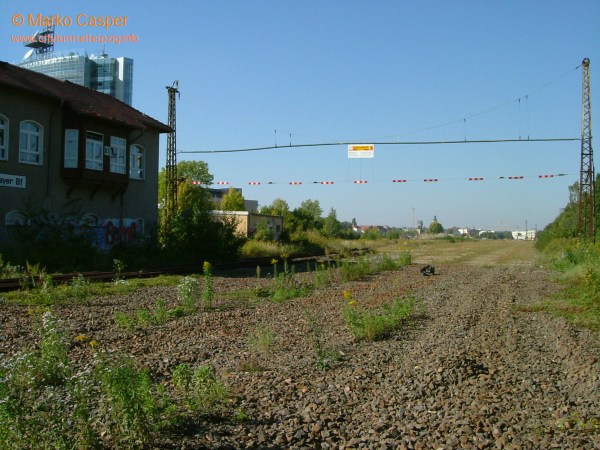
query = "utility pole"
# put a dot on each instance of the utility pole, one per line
(171, 169)
(586, 225)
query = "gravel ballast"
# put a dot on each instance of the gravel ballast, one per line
(473, 369)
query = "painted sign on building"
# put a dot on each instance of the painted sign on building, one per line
(13, 181)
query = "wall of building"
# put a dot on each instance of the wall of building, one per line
(247, 222)
(118, 201)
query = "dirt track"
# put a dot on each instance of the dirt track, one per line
(471, 372)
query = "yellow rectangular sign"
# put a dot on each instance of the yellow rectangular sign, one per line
(361, 150)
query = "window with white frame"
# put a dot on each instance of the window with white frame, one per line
(71, 148)
(94, 151)
(118, 157)
(136, 162)
(30, 143)
(3, 138)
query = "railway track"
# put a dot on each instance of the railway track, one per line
(11, 284)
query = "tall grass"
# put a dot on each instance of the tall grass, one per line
(579, 263)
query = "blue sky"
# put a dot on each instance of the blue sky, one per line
(333, 71)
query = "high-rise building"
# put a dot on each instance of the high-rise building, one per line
(112, 76)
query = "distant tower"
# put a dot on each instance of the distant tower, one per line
(42, 42)
(586, 226)
(171, 172)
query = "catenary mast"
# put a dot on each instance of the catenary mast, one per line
(586, 225)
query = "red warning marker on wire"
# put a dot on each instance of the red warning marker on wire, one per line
(360, 181)
(430, 180)
(399, 181)
(475, 179)
(222, 182)
(548, 176)
(323, 182)
(520, 177)
(254, 183)
(197, 183)
(295, 183)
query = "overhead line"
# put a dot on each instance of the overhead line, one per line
(325, 144)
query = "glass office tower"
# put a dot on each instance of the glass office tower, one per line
(113, 76)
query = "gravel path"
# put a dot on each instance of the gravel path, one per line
(471, 371)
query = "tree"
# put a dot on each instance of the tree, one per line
(436, 227)
(331, 225)
(233, 201)
(187, 171)
(279, 207)
(311, 208)
(306, 216)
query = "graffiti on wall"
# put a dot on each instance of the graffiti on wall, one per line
(112, 232)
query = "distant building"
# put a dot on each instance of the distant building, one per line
(528, 235)
(216, 195)
(112, 76)
(247, 222)
(64, 146)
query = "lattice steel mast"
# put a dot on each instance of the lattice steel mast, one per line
(171, 169)
(586, 224)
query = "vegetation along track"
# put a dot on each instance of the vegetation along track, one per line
(471, 370)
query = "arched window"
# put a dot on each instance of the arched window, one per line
(137, 162)
(16, 217)
(3, 138)
(31, 138)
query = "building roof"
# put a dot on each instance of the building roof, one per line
(82, 100)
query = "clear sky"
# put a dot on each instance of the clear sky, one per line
(365, 71)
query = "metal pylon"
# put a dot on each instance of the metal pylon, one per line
(171, 169)
(586, 223)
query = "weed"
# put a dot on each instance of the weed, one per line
(262, 340)
(323, 274)
(325, 357)
(208, 293)
(187, 292)
(144, 318)
(240, 415)
(251, 364)
(130, 403)
(123, 321)
(161, 314)
(374, 325)
(178, 311)
(200, 388)
(80, 288)
(9, 271)
(285, 285)
(118, 268)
